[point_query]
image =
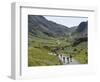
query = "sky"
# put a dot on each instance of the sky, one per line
(67, 21)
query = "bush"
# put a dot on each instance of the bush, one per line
(75, 49)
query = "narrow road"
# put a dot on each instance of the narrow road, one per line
(66, 61)
(74, 61)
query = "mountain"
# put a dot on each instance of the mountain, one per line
(72, 29)
(81, 31)
(80, 34)
(40, 26)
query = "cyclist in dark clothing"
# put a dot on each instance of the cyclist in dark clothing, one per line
(70, 58)
(64, 59)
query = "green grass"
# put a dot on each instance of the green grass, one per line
(38, 52)
(79, 52)
(40, 57)
(39, 48)
(82, 53)
(82, 57)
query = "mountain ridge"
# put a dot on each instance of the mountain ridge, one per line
(39, 25)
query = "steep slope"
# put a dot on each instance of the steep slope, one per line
(38, 25)
(80, 34)
(73, 29)
(81, 31)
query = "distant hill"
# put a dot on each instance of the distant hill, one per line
(39, 25)
(72, 29)
(81, 30)
(81, 33)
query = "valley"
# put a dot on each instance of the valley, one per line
(46, 37)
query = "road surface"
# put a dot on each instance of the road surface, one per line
(66, 61)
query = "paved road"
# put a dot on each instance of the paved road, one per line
(65, 60)
(74, 61)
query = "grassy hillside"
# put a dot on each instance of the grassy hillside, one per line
(39, 48)
(40, 57)
(79, 52)
(38, 52)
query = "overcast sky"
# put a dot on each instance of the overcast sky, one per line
(67, 21)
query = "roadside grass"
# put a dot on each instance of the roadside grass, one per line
(79, 52)
(38, 49)
(40, 57)
(82, 53)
